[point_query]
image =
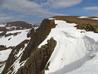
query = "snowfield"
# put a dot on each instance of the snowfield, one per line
(75, 52)
(4, 54)
(14, 40)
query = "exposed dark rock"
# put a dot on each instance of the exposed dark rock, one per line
(87, 27)
(38, 60)
(3, 29)
(3, 47)
(14, 34)
(37, 37)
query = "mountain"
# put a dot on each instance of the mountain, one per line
(10, 38)
(60, 45)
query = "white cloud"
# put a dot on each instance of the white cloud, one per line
(94, 8)
(6, 18)
(26, 6)
(62, 3)
(30, 7)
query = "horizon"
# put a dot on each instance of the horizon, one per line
(34, 11)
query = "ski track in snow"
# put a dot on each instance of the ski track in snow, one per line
(75, 52)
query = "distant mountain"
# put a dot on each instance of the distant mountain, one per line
(60, 45)
(17, 25)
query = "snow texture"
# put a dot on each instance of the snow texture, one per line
(4, 54)
(95, 18)
(14, 40)
(75, 52)
(83, 17)
(2, 25)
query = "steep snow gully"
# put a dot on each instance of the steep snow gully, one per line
(75, 52)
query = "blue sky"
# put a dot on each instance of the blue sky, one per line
(34, 11)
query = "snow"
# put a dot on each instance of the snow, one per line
(75, 50)
(2, 25)
(4, 54)
(1, 31)
(83, 17)
(11, 27)
(2, 67)
(95, 18)
(14, 31)
(17, 64)
(15, 40)
(51, 18)
(35, 28)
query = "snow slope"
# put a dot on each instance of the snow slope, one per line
(75, 52)
(4, 54)
(11, 41)
(14, 40)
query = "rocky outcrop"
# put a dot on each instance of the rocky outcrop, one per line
(37, 61)
(37, 37)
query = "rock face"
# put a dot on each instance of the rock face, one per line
(32, 55)
(38, 59)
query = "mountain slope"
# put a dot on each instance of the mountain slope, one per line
(61, 45)
(73, 48)
(9, 40)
